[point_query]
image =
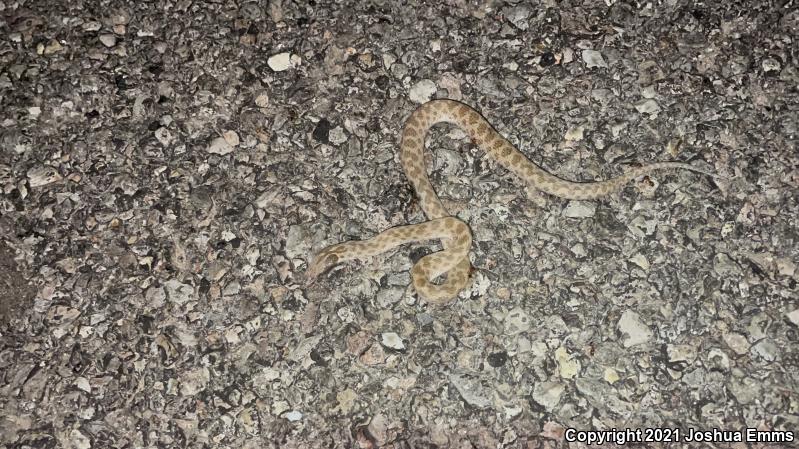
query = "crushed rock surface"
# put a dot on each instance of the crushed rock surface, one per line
(168, 168)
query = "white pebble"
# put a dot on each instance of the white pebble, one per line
(262, 100)
(231, 137)
(794, 317)
(279, 62)
(593, 58)
(636, 331)
(220, 146)
(42, 176)
(648, 106)
(392, 340)
(337, 136)
(293, 415)
(579, 209)
(575, 133)
(770, 65)
(109, 40)
(422, 91)
(163, 135)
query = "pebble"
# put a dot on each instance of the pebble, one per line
(155, 297)
(567, 56)
(574, 134)
(109, 40)
(78, 440)
(42, 176)
(723, 265)
(767, 350)
(593, 58)
(52, 47)
(579, 209)
(278, 407)
(262, 100)
(232, 288)
(471, 390)
(737, 343)
(579, 250)
(375, 355)
(610, 375)
(91, 26)
(553, 431)
(304, 348)
(770, 65)
(517, 321)
(548, 394)
(392, 340)
(293, 416)
(637, 332)
(745, 390)
(400, 71)
(231, 137)
(279, 62)
(337, 136)
(163, 136)
(793, 316)
(297, 239)
(195, 381)
(346, 400)
(378, 429)
(603, 96)
(387, 297)
(220, 146)
(647, 106)
(178, 292)
(232, 335)
(641, 227)
(719, 358)
(568, 365)
(83, 384)
(518, 16)
(388, 60)
(640, 260)
(422, 91)
(785, 267)
(681, 353)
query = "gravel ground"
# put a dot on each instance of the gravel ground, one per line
(168, 167)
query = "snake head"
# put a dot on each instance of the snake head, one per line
(323, 261)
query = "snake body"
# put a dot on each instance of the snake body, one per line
(453, 260)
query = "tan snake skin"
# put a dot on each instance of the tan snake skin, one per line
(454, 233)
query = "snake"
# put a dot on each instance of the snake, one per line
(452, 263)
